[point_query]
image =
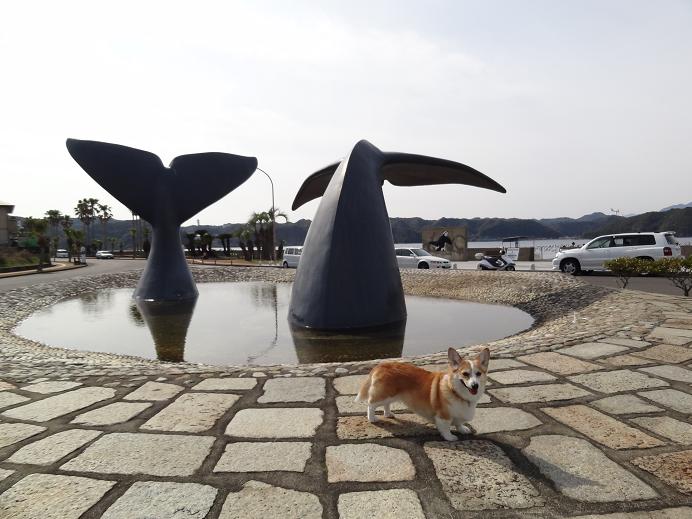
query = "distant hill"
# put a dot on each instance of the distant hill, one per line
(408, 230)
(678, 206)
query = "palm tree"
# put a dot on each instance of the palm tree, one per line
(37, 227)
(54, 218)
(275, 213)
(86, 212)
(133, 235)
(112, 241)
(225, 239)
(103, 213)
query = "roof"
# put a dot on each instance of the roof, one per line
(4, 204)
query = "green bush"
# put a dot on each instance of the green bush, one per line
(677, 270)
(625, 268)
(10, 257)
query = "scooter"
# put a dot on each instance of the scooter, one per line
(500, 262)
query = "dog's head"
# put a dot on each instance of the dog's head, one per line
(468, 376)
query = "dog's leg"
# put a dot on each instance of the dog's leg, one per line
(371, 412)
(445, 429)
(387, 412)
(461, 428)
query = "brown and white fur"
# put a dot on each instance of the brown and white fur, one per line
(445, 398)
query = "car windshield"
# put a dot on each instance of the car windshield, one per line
(421, 252)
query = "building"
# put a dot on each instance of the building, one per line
(8, 224)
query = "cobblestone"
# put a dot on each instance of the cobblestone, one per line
(681, 402)
(50, 449)
(260, 501)
(383, 504)
(275, 423)
(617, 381)
(264, 456)
(674, 468)
(59, 405)
(162, 500)
(368, 462)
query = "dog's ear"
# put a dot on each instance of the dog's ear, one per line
(484, 358)
(454, 358)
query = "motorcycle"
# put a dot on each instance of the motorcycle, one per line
(500, 262)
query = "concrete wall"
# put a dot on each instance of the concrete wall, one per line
(456, 251)
(686, 250)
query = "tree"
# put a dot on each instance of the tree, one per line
(37, 228)
(112, 241)
(225, 239)
(624, 268)
(244, 241)
(86, 212)
(133, 235)
(54, 218)
(104, 214)
(677, 270)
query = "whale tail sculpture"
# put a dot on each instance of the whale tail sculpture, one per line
(348, 275)
(165, 197)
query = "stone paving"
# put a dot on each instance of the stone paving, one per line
(589, 414)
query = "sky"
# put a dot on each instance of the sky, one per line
(573, 107)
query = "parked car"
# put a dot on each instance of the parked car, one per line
(291, 257)
(421, 259)
(61, 253)
(104, 254)
(592, 256)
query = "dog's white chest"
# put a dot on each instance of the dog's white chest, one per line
(461, 409)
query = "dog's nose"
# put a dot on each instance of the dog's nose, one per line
(474, 385)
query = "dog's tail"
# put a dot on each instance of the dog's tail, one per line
(362, 395)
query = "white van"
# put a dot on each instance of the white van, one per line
(291, 257)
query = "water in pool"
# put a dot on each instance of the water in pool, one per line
(246, 323)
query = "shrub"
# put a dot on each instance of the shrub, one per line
(677, 270)
(625, 268)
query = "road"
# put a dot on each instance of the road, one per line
(647, 284)
(93, 267)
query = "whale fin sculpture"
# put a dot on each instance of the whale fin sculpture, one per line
(165, 197)
(334, 288)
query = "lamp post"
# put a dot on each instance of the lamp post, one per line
(273, 215)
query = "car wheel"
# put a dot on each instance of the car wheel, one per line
(285, 264)
(570, 266)
(510, 268)
(423, 265)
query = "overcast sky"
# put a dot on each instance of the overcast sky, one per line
(574, 106)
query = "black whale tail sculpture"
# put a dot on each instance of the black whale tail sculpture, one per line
(165, 197)
(348, 275)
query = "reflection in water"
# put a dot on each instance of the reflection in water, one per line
(262, 294)
(344, 346)
(168, 322)
(135, 315)
(96, 303)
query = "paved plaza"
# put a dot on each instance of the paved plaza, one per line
(588, 414)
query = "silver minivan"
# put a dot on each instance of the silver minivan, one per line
(291, 257)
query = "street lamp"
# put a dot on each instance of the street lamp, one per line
(273, 216)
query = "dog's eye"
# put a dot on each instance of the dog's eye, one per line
(478, 373)
(465, 374)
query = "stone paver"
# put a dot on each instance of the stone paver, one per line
(667, 427)
(261, 501)
(626, 360)
(7, 399)
(670, 372)
(601, 428)
(674, 468)
(346, 404)
(582, 472)
(5, 473)
(666, 334)
(497, 419)
(540, 393)
(111, 414)
(682, 512)
(677, 400)
(592, 350)
(624, 404)
(478, 475)
(667, 353)
(47, 496)
(560, 364)
(4, 386)
(402, 425)
(11, 433)
(163, 500)
(58, 405)
(349, 385)
(154, 391)
(382, 504)
(192, 412)
(303, 389)
(275, 423)
(226, 384)
(139, 453)
(368, 462)
(50, 449)
(622, 341)
(500, 364)
(264, 456)
(48, 387)
(617, 381)
(521, 376)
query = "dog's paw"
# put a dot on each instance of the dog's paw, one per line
(462, 429)
(373, 419)
(388, 414)
(450, 437)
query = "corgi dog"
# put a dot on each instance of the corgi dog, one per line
(445, 398)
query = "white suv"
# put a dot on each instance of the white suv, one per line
(420, 258)
(592, 256)
(291, 257)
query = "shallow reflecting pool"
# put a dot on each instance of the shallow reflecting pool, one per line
(246, 323)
